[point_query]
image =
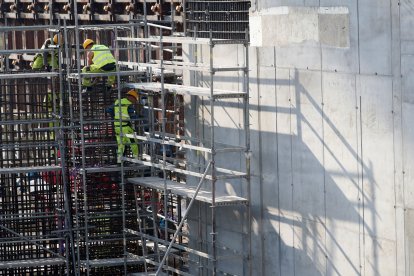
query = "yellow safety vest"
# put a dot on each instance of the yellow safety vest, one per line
(124, 112)
(102, 55)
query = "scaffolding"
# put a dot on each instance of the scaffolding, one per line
(102, 205)
(167, 245)
(68, 207)
(97, 195)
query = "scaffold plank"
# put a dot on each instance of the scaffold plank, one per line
(114, 168)
(175, 245)
(143, 67)
(186, 90)
(25, 28)
(222, 173)
(32, 263)
(28, 75)
(94, 75)
(144, 274)
(110, 262)
(186, 191)
(181, 40)
(29, 169)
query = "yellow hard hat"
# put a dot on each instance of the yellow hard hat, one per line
(56, 39)
(87, 42)
(133, 93)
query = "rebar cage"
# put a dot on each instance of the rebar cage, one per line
(72, 207)
(33, 222)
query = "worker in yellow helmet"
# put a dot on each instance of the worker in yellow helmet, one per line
(45, 59)
(100, 60)
(124, 109)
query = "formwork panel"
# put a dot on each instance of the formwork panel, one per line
(409, 217)
(342, 181)
(287, 250)
(298, 56)
(255, 167)
(309, 257)
(341, 148)
(378, 172)
(308, 195)
(379, 256)
(343, 249)
(374, 30)
(406, 20)
(308, 174)
(268, 136)
(286, 123)
(272, 246)
(343, 59)
(407, 112)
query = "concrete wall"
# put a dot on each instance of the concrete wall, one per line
(332, 102)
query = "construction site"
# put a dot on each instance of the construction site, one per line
(195, 137)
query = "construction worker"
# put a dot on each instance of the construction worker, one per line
(100, 60)
(48, 103)
(39, 59)
(125, 109)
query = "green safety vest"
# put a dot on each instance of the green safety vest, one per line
(124, 112)
(102, 55)
(48, 101)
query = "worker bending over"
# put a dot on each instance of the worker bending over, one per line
(125, 108)
(100, 60)
(39, 59)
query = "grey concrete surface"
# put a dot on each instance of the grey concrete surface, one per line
(331, 138)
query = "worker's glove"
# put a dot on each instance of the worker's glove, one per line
(87, 68)
(48, 68)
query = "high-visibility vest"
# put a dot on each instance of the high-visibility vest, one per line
(102, 55)
(45, 45)
(48, 101)
(125, 103)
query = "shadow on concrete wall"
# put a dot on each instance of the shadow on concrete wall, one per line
(301, 216)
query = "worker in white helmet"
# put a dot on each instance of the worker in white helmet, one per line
(44, 59)
(124, 109)
(100, 60)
